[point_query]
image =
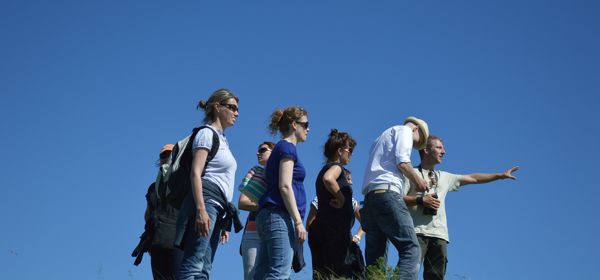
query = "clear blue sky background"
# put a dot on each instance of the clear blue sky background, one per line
(90, 90)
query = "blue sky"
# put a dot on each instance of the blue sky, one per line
(90, 91)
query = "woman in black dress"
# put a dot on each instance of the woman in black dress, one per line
(329, 236)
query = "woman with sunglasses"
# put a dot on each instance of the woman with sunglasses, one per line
(251, 189)
(330, 234)
(282, 206)
(212, 188)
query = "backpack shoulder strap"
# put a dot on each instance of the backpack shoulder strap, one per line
(215, 143)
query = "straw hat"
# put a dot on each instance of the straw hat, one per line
(424, 131)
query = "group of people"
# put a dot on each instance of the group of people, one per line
(404, 205)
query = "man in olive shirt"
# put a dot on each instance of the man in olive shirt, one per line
(428, 208)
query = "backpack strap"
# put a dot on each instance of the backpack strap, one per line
(215, 144)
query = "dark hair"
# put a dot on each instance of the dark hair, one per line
(281, 120)
(271, 145)
(337, 140)
(428, 146)
(220, 96)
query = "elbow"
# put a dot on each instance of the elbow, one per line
(404, 166)
(286, 190)
(329, 181)
(195, 176)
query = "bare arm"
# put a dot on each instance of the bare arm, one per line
(246, 203)
(482, 178)
(202, 219)
(407, 169)
(312, 214)
(330, 181)
(359, 233)
(286, 169)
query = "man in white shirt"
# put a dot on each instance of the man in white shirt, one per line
(428, 208)
(385, 215)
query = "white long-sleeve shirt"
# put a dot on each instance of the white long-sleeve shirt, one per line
(391, 148)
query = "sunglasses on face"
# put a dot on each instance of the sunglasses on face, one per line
(263, 149)
(231, 107)
(303, 124)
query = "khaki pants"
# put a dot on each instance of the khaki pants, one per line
(434, 257)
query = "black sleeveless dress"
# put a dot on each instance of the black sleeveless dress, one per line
(329, 236)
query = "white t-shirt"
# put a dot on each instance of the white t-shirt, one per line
(433, 225)
(393, 147)
(221, 169)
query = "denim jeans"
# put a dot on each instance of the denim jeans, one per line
(165, 262)
(386, 217)
(249, 249)
(199, 251)
(277, 237)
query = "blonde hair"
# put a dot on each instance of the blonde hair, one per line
(220, 96)
(281, 120)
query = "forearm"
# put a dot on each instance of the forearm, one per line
(197, 191)
(334, 189)
(410, 200)
(482, 178)
(247, 204)
(407, 169)
(287, 195)
(360, 232)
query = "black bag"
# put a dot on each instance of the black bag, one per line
(180, 166)
(163, 218)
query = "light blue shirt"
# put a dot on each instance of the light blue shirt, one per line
(391, 148)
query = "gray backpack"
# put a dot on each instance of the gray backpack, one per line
(178, 177)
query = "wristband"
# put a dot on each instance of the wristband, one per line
(419, 200)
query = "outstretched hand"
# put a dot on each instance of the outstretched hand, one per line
(508, 173)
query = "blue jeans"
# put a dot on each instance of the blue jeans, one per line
(165, 262)
(249, 247)
(386, 217)
(277, 237)
(199, 251)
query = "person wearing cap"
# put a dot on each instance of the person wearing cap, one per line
(385, 216)
(160, 219)
(428, 208)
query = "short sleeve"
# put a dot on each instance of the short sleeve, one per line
(454, 182)
(402, 139)
(288, 150)
(204, 139)
(315, 203)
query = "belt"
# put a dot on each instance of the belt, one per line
(382, 188)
